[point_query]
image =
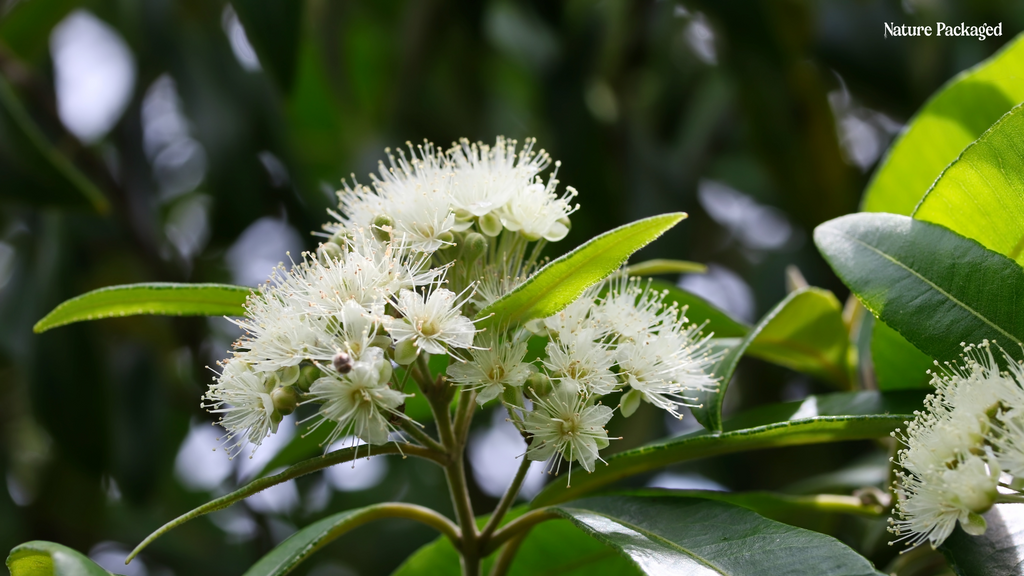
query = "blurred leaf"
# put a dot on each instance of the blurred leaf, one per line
(32, 170)
(301, 545)
(996, 552)
(981, 194)
(40, 558)
(700, 310)
(160, 298)
(953, 118)
(558, 284)
(804, 332)
(898, 365)
(25, 29)
(663, 266)
(814, 420)
(676, 535)
(273, 27)
(935, 287)
(300, 469)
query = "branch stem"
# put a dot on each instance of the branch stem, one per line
(416, 432)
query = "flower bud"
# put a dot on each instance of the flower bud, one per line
(341, 238)
(447, 238)
(307, 376)
(288, 375)
(406, 352)
(490, 224)
(382, 341)
(285, 400)
(473, 247)
(382, 227)
(328, 252)
(630, 402)
(512, 396)
(342, 362)
(538, 384)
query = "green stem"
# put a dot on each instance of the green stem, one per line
(464, 413)
(506, 501)
(300, 469)
(416, 432)
(508, 553)
(518, 526)
(1010, 499)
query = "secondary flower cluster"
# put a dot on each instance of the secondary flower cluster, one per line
(407, 265)
(970, 434)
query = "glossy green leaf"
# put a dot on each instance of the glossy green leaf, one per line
(301, 545)
(953, 118)
(165, 299)
(804, 332)
(699, 310)
(670, 535)
(663, 266)
(898, 364)
(814, 420)
(997, 552)
(40, 558)
(556, 285)
(32, 170)
(981, 194)
(300, 469)
(933, 286)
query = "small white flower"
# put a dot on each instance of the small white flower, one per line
(582, 362)
(575, 316)
(360, 402)
(432, 322)
(931, 503)
(538, 212)
(498, 363)
(242, 398)
(631, 310)
(277, 334)
(487, 177)
(566, 424)
(1009, 443)
(664, 367)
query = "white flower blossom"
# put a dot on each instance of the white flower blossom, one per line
(565, 424)
(242, 398)
(431, 322)
(581, 361)
(487, 177)
(538, 212)
(496, 364)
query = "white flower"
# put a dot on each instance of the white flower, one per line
(538, 212)
(931, 503)
(575, 316)
(633, 311)
(242, 398)
(1009, 443)
(277, 334)
(566, 424)
(582, 362)
(664, 367)
(360, 402)
(487, 177)
(433, 322)
(498, 363)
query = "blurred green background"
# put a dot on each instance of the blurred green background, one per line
(198, 141)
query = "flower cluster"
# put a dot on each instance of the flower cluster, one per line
(956, 450)
(406, 267)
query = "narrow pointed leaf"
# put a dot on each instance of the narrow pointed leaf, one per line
(981, 194)
(804, 332)
(301, 545)
(933, 286)
(996, 552)
(953, 118)
(41, 558)
(556, 285)
(715, 538)
(663, 266)
(815, 420)
(164, 299)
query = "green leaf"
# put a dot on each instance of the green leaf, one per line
(40, 558)
(898, 364)
(933, 286)
(675, 535)
(981, 194)
(700, 310)
(663, 266)
(953, 118)
(159, 298)
(775, 505)
(274, 28)
(814, 420)
(301, 545)
(300, 469)
(994, 553)
(556, 285)
(32, 170)
(804, 332)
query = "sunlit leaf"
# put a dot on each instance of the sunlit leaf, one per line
(164, 299)
(40, 558)
(556, 285)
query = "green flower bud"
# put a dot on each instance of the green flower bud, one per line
(329, 251)
(630, 402)
(473, 247)
(538, 384)
(307, 376)
(275, 419)
(490, 224)
(288, 375)
(382, 341)
(382, 227)
(406, 352)
(285, 400)
(341, 238)
(448, 238)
